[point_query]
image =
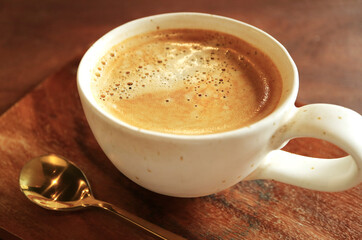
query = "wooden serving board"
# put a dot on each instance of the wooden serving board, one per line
(50, 119)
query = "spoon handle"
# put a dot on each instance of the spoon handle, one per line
(150, 227)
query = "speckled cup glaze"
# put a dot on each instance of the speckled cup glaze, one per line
(192, 166)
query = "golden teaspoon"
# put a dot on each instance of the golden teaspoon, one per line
(55, 183)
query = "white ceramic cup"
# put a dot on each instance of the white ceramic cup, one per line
(191, 166)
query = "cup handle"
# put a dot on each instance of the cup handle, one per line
(338, 125)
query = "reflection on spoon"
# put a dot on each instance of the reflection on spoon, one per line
(55, 183)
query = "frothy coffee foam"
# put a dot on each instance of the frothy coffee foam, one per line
(186, 81)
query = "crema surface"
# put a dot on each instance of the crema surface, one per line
(186, 81)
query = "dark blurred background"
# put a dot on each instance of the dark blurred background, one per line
(323, 37)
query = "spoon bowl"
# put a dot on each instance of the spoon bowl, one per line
(55, 183)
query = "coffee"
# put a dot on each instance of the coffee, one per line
(186, 81)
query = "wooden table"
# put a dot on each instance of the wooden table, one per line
(39, 39)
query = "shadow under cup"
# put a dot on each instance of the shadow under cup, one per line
(182, 165)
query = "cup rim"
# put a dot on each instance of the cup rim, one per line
(279, 110)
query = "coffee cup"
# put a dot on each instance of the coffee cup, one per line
(194, 165)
